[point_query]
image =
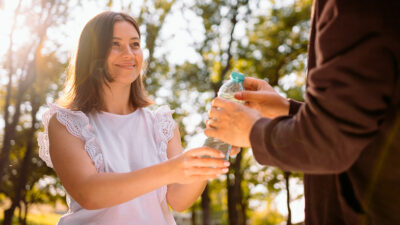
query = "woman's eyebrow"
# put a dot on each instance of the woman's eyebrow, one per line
(134, 38)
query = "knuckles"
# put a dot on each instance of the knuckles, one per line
(186, 162)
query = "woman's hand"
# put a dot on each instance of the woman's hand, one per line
(261, 96)
(198, 164)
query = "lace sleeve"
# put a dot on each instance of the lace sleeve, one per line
(164, 126)
(77, 123)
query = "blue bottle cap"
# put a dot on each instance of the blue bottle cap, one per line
(237, 76)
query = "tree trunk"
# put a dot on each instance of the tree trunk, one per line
(238, 188)
(194, 215)
(25, 165)
(22, 217)
(235, 207)
(244, 208)
(8, 215)
(20, 214)
(289, 217)
(9, 130)
(10, 66)
(24, 220)
(5, 149)
(24, 84)
(205, 206)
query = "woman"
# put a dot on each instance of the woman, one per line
(119, 162)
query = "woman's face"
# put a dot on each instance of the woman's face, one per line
(124, 61)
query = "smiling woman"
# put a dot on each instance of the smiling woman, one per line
(120, 162)
(125, 58)
(109, 55)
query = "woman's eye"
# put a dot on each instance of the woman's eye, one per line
(135, 44)
(115, 43)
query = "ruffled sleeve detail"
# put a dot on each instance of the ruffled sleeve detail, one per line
(77, 123)
(164, 126)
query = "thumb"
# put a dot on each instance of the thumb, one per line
(250, 96)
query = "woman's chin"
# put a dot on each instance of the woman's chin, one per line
(126, 78)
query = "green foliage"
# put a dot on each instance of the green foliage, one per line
(37, 219)
(273, 47)
(45, 86)
(37, 72)
(276, 43)
(152, 17)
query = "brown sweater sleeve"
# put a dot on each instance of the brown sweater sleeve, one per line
(346, 99)
(294, 106)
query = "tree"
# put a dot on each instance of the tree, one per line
(273, 48)
(276, 47)
(25, 98)
(217, 63)
(44, 19)
(30, 168)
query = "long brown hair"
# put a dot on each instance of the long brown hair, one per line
(87, 75)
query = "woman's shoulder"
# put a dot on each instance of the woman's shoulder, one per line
(158, 111)
(54, 110)
(164, 123)
(53, 107)
(63, 122)
(73, 121)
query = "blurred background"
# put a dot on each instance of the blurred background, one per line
(190, 47)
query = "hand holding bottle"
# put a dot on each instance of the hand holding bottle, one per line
(261, 96)
(231, 122)
(191, 166)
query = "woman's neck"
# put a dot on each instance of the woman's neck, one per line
(116, 99)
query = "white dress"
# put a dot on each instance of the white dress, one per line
(118, 143)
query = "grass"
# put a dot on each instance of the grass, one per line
(37, 219)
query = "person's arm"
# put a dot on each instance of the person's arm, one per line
(346, 102)
(294, 107)
(93, 190)
(182, 196)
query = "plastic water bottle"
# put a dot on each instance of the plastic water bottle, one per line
(227, 91)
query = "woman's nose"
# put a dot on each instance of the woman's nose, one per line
(127, 51)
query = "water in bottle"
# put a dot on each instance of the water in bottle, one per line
(227, 91)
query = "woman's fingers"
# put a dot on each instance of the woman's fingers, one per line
(205, 171)
(208, 162)
(208, 177)
(205, 151)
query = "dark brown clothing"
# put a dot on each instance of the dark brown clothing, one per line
(345, 137)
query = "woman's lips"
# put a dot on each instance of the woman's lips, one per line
(128, 66)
